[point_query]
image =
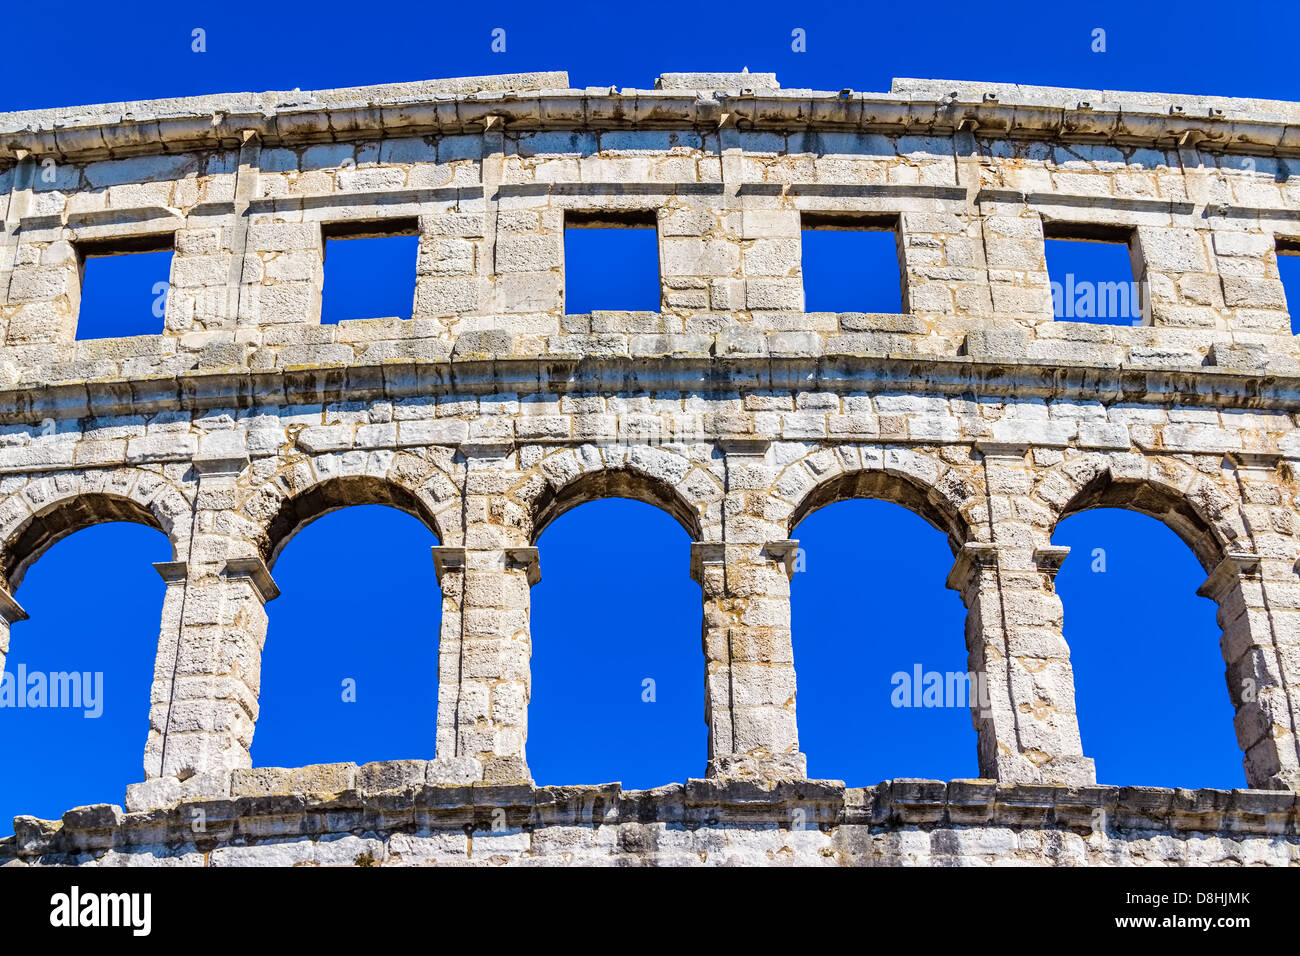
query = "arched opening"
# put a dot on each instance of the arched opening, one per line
(614, 483)
(883, 684)
(1148, 670)
(292, 513)
(75, 709)
(617, 665)
(350, 665)
(46, 527)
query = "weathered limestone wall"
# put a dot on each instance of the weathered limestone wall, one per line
(490, 411)
(385, 815)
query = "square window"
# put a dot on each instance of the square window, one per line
(611, 262)
(124, 288)
(369, 270)
(850, 264)
(1091, 274)
(1288, 268)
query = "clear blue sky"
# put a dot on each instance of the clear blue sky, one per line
(359, 597)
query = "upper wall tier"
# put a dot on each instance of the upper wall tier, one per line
(730, 169)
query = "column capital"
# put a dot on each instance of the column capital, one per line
(11, 612)
(973, 557)
(254, 568)
(173, 572)
(706, 552)
(447, 558)
(527, 558)
(784, 551)
(1235, 566)
(1049, 559)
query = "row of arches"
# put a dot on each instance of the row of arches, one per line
(822, 656)
(1195, 508)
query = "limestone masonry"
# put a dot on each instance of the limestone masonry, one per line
(490, 411)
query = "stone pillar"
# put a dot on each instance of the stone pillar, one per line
(1024, 712)
(748, 652)
(491, 710)
(40, 273)
(1259, 611)
(449, 765)
(214, 625)
(1257, 670)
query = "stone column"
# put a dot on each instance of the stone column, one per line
(449, 765)
(748, 652)
(207, 677)
(491, 711)
(1257, 670)
(1023, 692)
(1259, 611)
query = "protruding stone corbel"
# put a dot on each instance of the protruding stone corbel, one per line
(487, 449)
(447, 558)
(11, 612)
(1009, 450)
(172, 572)
(255, 570)
(703, 553)
(1235, 567)
(1256, 464)
(1048, 560)
(974, 557)
(784, 551)
(528, 559)
(748, 445)
(222, 453)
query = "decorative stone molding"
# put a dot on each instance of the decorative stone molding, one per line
(254, 568)
(172, 572)
(11, 612)
(974, 557)
(446, 559)
(746, 446)
(784, 551)
(1235, 566)
(528, 559)
(705, 553)
(1049, 560)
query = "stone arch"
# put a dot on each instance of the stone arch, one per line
(1202, 514)
(667, 480)
(50, 508)
(1209, 520)
(310, 488)
(936, 492)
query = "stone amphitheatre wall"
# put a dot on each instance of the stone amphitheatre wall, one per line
(490, 411)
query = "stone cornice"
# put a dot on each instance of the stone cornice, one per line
(955, 375)
(536, 102)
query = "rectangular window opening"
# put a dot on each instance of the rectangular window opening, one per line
(124, 286)
(1092, 275)
(369, 269)
(850, 263)
(611, 261)
(1288, 268)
